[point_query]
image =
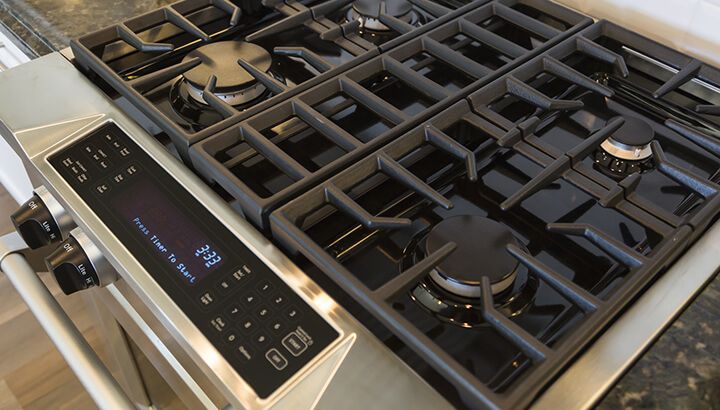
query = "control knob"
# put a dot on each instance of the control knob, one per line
(41, 220)
(78, 264)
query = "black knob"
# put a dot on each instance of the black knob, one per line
(72, 268)
(36, 224)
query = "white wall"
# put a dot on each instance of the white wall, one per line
(12, 173)
(691, 26)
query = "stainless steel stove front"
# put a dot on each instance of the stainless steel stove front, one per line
(54, 106)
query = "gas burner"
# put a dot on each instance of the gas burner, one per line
(481, 244)
(465, 312)
(628, 150)
(452, 291)
(367, 13)
(234, 85)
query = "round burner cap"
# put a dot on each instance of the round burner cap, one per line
(481, 251)
(371, 8)
(220, 59)
(634, 133)
(631, 142)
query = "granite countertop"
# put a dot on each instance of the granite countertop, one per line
(681, 370)
(44, 26)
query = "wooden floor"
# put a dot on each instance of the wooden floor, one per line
(33, 375)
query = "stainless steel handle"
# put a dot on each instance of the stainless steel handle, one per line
(92, 373)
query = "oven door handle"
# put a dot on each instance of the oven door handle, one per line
(80, 357)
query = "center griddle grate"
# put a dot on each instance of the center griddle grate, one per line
(273, 156)
(141, 55)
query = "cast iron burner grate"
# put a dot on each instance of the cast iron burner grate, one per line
(143, 58)
(521, 152)
(273, 156)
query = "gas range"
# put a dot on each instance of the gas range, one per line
(443, 203)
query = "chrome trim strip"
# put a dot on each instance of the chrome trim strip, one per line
(62, 218)
(161, 348)
(105, 273)
(669, 68)
(626, 152)
(591, 376)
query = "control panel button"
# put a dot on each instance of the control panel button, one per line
(276, 358)
(98, 155)
(294, 344)
(118, 178)
(244, 352)
(76, 168)
(218, 323)
(241, 275)
(102, 188)
(119, 147)
(206, 299)
(132, 170)
(225, 286)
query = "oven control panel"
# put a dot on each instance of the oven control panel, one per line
(261, 326)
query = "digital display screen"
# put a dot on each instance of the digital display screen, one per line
(167, 231)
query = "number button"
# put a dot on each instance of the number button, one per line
(278, 300)
(261, 339)
(277, 327)
(292, 313)
(231, 337)
(249, 299)
(247, 325)
(262, 312)
(265, 287)
(234, 311)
